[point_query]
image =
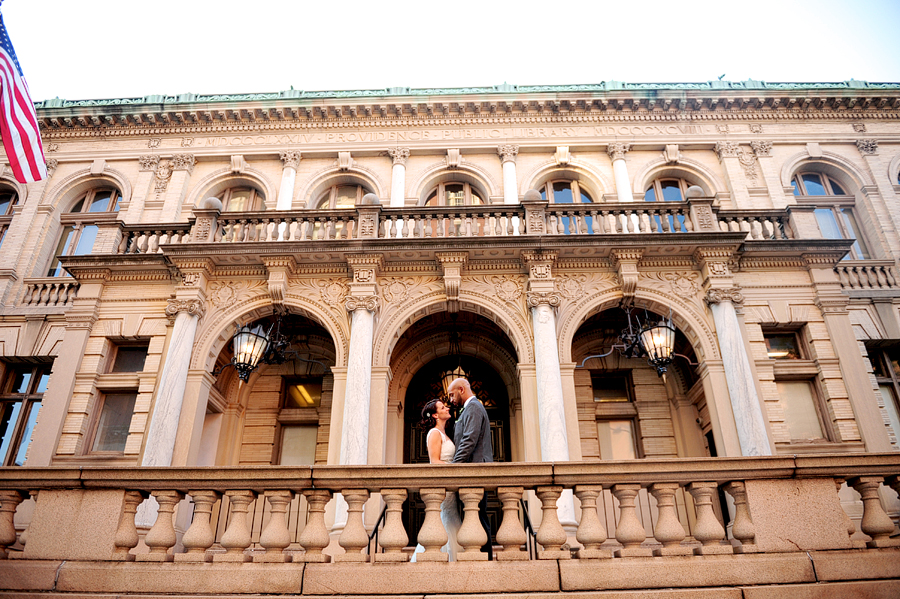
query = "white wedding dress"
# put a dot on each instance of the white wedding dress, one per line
(449, 507)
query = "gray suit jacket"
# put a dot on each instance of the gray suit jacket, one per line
(472, 436)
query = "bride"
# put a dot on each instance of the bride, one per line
(435, 415)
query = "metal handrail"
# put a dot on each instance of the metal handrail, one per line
(531, 536)
(374, 533)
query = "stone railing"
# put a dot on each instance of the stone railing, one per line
(758, 224)
(867, 275)
(146, 239)
(49, 291)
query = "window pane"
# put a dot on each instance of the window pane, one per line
(455, 194)
(616, 439)
(26, 434)
(432, 200)
(890, 406)
(115, 418)
(650, 195)
(544, 193)
(56, 269)
(586, 197)
(835, 188)
(42, 382)
(239, 201)
(86, 240)
(6, 200)
(345, 197)
(795, 186)
(828, 224)
(130, 359)
(20, 382)
(100, 203)
(298, 445)
(813, 185)
(798, 402)
(671, 191)
(8, 419)
(782, 347)
(79, 206)
(562, 193)
(476, 200)
(303, 394)
(859, 247)
(610, 388)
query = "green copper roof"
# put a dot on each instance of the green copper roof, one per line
(504, 88)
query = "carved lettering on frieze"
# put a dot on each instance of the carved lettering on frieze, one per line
(395, 289)
(867, 147)
(153, 142)
(507, 288)
(187, 142)
(717, 296)
(333, 291)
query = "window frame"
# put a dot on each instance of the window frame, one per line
(331, 198)
(254, 203)
(656, 186)
(28, 400)
(439, 192)
(114, 355)
(78, 221)
(799, 185)
(14, 201)
(860, 248)
(882, 358)
(98, 417)
(288, 417)
(547, 191)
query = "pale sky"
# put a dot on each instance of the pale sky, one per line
(126, 48)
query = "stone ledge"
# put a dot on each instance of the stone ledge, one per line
(688, 571)
(37, 576)
(868, 589)
(857, 564)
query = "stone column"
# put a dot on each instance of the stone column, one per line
(290, 159)
(174, 187)
(160, 444)
(882, 197)
(508, 154)
(398, 176)
(620, 171)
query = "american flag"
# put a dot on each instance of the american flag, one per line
(18, 122)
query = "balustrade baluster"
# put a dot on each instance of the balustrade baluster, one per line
(591, 532)
(23, 536)
(872, 277)
(404, 228)
(237, 534)
(471, 534)
(629, 530)
(428, 230)
(161, 536)
(656, 218)
(432, 535)
(668, 529)
(551, 534)
(618, 217)
(393, 537)
(684, 216)
(842, 275)
(851, 528)
(9, 501)
(153, 247)
(122, 246)
(743, 529)
(511, 535)
(314, 537)
(708, 530)
(880, 276)
(276, 537)
(306, 228)
(199, 536)
(889, 275)
(354, 537)
(875, 522)
(595, 222)
(855, 282)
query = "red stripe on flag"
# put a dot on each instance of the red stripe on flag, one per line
(18, 125)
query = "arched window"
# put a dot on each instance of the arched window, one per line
(338, 197)
(80, 225)
(667, 190)
(8, 199)
(816, 184)
(454, 194)
(565, 192)
(834, 209)
(241, 199)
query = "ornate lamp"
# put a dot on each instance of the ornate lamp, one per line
(250, 344)
(659, 343)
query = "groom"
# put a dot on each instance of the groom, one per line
(472, 438)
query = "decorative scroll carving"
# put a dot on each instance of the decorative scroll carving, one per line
(452, 263)
(395, 289)
(562, 156)
(859, 127)
(537, 298)
(671, 154)
(507, 288)
(290, 158)
(761, 148)
(148, 162)
(508, 153)
(453, 158)
(748, 162)
(184, 162)
(333, 291)
(52, 164)
(277, 284)
(756, 128)
(399, 155)
(617, 151)
(571, 287)
(727, 149)
(683, 284)
(344, 162)
(163, 174)
(717, 295)
(223, 294)
(369, 302)
(193, 307)
(626, 264)
(153, 142)
(867, 147)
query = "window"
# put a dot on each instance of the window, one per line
(797, 391)
(8, 199)
(886, 365)
(241, 199)
(565, 192)
(302, 393)
(454, 194)
(839, 222)
(115, 419)
(20, 401)
(616, 415)
(816, 184)
(299, 420)
(80, 225)
(340, 197)
(667, 190)
(782, 346)
(610, 387)
(129, 358)
(617, 439)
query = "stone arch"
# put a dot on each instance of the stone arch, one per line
(685, 316)
(79, 182)
(690, 170)
(355, 175)
(839, 167)
(20, 188)
(391, 329)
(216, 332)
(894, 170)
(466, 172)
(220, 180)
(590, 178)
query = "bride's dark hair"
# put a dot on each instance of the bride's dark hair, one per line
(428, 413)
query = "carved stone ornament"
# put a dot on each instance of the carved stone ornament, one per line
(507, 288)
(395, 289)
(571, 287)
(333, 291)
(223, 294)
(163, 174)
(859, 127)
(187, 142)
(756, 128)
(617, 151)
(508, 153)
(154, 142)
(867, 147)
(399, 155)
(363, 275)
(367, 225)
(683, 284)
(184, 162)
(761, 148)
(53, 147)
(344, 161)
(563, 157)
(536, 298)
(81, 321)
(705, 217)
(748, 162)
(541, 271)
(52, 165)
(290, 158)
(832, 306)
(193, 307)
(719, 269)
(727, 149)
(190, 279)
(722, 127)
(671, 154)
(454, 158)
(717, 296)
(148, 162)
(369, 302)
(535, 221)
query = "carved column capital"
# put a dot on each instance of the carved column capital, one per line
(617, 150)
(194, 307)
(148, 162)
(717, 295)
(867, 147)
(727, 149)
(399, 155)
(832, 305)
(184, 162)
(290, 158)
(368, 302)
(761, 148)
(538, 298)
(508, 152)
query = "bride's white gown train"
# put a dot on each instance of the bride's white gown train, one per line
(449, 507)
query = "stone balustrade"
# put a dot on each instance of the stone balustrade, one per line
(758, 224)
(49, 292)
(867, 275)
(146, 239)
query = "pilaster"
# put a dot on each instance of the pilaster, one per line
(290, 160)
(616, 153)
(730, 156)
(399, 157)
(174, 187)
(508, 153)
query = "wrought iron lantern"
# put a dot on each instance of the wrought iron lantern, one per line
(250, 345)
(655, 342)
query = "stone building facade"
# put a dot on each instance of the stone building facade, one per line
(509, 233)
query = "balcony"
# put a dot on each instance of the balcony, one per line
(262, 530)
